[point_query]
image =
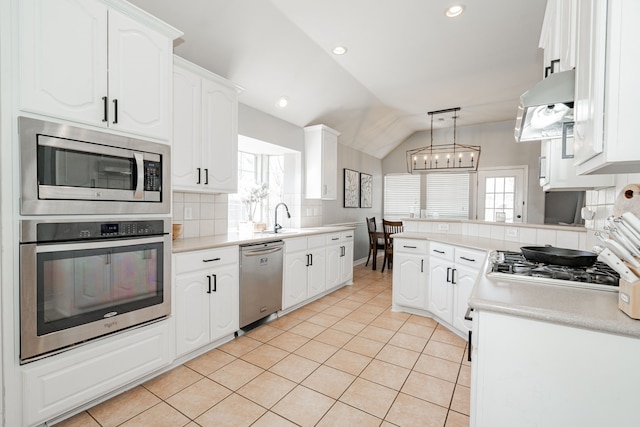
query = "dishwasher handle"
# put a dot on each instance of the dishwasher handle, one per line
(262, 252)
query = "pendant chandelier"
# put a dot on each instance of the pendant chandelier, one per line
(444, 157)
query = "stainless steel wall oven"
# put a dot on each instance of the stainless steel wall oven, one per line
(80, 280)
(62, 165)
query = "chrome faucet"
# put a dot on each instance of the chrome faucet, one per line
(277, 226)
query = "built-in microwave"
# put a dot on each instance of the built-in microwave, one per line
(70, 170)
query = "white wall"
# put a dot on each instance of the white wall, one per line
(498, 149)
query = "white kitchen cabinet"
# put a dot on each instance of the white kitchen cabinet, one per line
(608, 39)
(304, 269)
(321, 162)
(410, 273)
(205, 130)
(558, 35)
(59, 383)
(559, 173)
(531, 373)
(104, 66)
(339, 258)
(453, 273)
(206, 297)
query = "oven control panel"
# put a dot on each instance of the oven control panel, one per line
(69, 231)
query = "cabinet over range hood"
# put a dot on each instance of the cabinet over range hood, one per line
(545, 108)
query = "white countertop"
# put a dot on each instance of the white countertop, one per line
(230, 239)
(582, 308)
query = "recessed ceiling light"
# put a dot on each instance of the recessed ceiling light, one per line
(454, 10)
(282, 102)
(339, 50)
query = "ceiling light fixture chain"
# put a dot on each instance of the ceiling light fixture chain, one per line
(459, 157)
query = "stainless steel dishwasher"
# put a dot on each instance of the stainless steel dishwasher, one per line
(260, 280)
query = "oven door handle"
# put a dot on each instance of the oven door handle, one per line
(139, 178)
(78, 246)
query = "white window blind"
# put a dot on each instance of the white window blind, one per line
(448, 196)
(401, 195)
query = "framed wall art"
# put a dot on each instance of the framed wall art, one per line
(351, 188)
(366, 190)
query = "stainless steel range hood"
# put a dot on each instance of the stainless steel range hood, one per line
(545, 108)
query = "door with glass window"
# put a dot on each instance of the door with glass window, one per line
(502, 195)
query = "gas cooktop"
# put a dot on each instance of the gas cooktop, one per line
(514, 266)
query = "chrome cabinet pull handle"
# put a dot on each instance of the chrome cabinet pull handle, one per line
(105, 101)
(211, 260)
(115, 111)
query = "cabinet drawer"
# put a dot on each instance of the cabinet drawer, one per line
(441, 250)
(411, 246)
(295, 245)
(318, 241)
(210, 258)
(347, 236)
(469, 257)
(333, 239)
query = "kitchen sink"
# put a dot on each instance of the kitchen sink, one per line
(271, 232)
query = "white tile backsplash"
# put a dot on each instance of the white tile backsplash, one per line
(545, 237)
(568, 239)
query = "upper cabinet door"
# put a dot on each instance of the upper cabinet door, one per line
(63, 58)
(140, 65)
(220, 136)
(187, 142)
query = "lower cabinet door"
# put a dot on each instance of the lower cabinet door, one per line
(440, 290)
(334, 269)
(317, 272)
(410, 284)
(465, 280)
(295, 279)
(224, 302)
(192, 312)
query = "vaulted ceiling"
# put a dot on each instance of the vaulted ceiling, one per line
(404, 59)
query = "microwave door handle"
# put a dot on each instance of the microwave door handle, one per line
(139, 178)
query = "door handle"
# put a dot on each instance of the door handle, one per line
(469, 349)
(467, 314)
(468, 259)
(308, 262)
(436, 250)
(199, 177)
(138, 192)
(206, 176)
(115, 111)
(311, 258)
(105, 106)
(215, 282)
(453, 276)
(211, 260)
(209, 280)
(448, 273)
(421, 266)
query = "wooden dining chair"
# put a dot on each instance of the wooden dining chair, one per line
(390, 227)
(375, 243)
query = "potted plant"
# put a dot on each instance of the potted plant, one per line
(251, 198)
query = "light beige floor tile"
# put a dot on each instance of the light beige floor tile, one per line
(323, 319)
(285, 323)
(386, 374)
(348, 361)
(398, 356)
(307, 329)
(240, 346)
(369, 397)
(334, 337)
(288, 341)
(361, 316)
(444, 351)
(410, 342)
(443, 335)
(234, 411)
(303, 406)
(302, 313)
(264, 333)
(172, 381)
(364, 346)
(83, 419)
(455, 419)
(349, 326)
(266, 389)
(210, 361)
(431, 389)
(387, 323)
(270, 419)
(348, 304)
(420, 320)
(414, 329)
(437, 367)
(329, 381)
(127, 405)
(198, 398)
(295, 368)
(409, 411)
(341, 415)
(317, 306)
(161, 415)
(464, 378)
(376, 333)
(316, 351)
(370, 308)
(265, 356)
(330, 299)
(398, 315)
(338, 311)
(236, 374)
(461, 400)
